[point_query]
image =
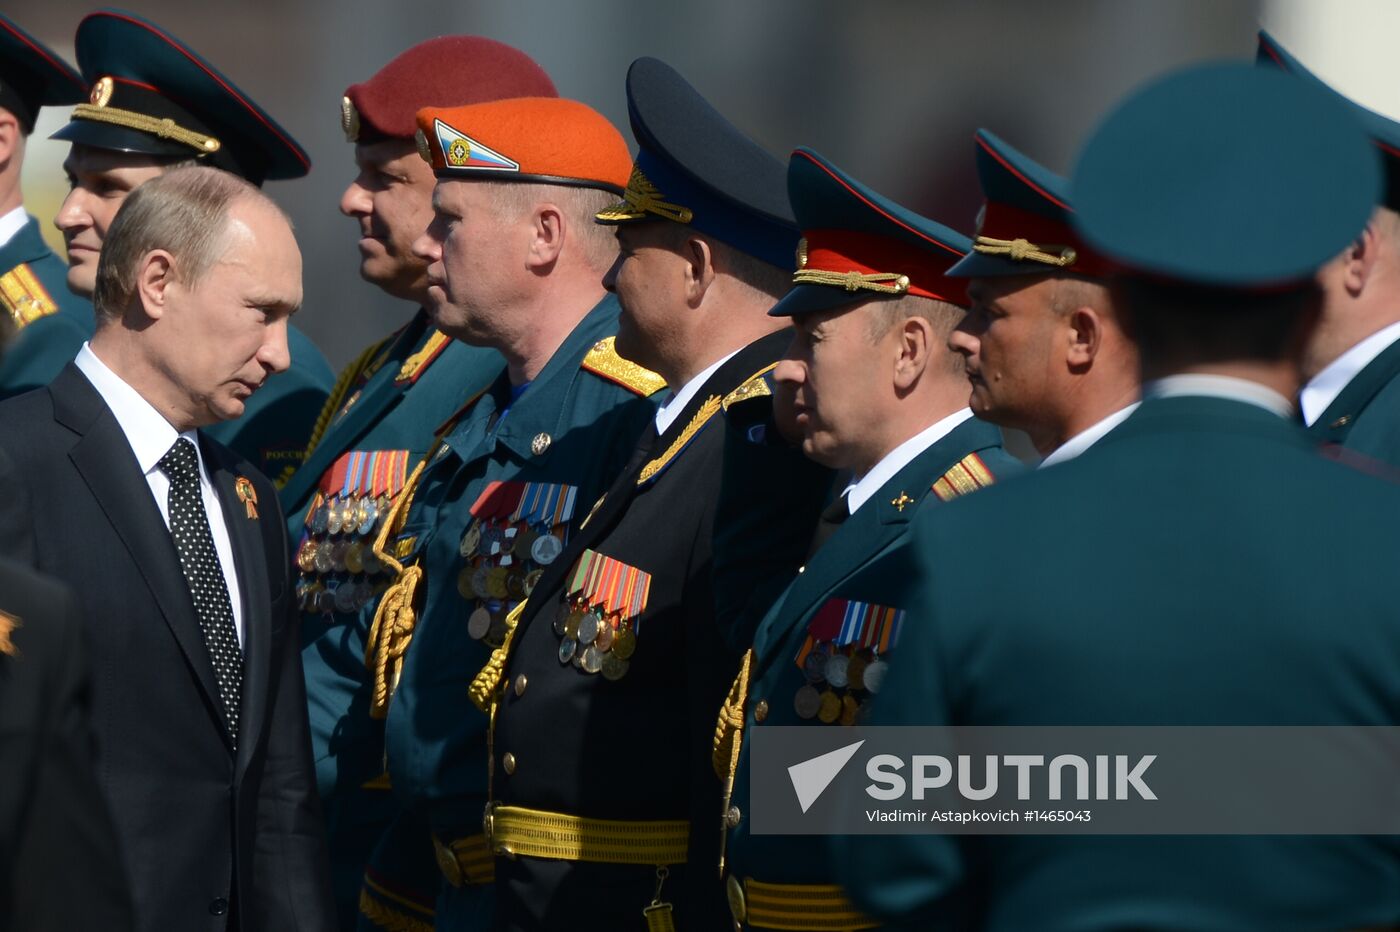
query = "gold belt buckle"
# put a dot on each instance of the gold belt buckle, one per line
(447, 862)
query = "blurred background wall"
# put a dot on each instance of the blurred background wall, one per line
(892, 90)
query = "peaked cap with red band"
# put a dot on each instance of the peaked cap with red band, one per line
(449, 71)
(1384, 132)
(1025, 227)
(858, 245)
(32, 76)
(153, 95)
(535, 140)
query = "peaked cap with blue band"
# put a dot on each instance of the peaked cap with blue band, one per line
(1384, 132)
(32, 76)
(1226, 176)
(1024, 227)
(695, 167)
(858, 244)
(153, 95)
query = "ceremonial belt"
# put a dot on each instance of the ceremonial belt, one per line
(515, 830)
(465, 860)
(804, 907)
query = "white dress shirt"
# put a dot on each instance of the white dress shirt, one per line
(1087, 438)
(1220, 386)
(1323, 388)
(10, 225)
(672, 407)
(860, 490)
(151, 436)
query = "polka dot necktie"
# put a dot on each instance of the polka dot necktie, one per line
(189, 526)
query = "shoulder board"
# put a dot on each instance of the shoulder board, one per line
(755, 387)
(602, 360)
(24, 296)
(415, 365)
(969, 475)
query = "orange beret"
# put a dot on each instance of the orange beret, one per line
(543, 140)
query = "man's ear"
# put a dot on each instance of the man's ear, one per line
(699, 269)
(550, 229)
(915, 346)
(1360, 258)
(155, 274)
(1086, 333)
(11, 138)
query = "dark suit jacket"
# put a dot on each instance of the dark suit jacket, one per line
(1200, 565)
(59, 864)
(204, 831)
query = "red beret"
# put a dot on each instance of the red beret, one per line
(449, 71)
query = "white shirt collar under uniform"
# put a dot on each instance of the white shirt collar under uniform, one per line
(1220, 386)
(1087, 438)
(672, 407)
(10, 225)
(1322, 389)
(151, 436)
(860, 490)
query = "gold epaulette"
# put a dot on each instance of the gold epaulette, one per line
(415, 365)
(602, 360)
(756, 387)
(24, 296)
(969, 475)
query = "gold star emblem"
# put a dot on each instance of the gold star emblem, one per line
(903, 500)
(8, 623)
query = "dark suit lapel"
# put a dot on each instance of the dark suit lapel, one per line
(103, 457)
(1333, 425)
(254, 591)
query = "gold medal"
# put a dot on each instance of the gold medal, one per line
(354, 554)
(470, 541)
(855, 671)
(614, 667)
(830, 709)
(496, 582)
(849, 708)
(306, 556)
(572, 622)
(624, 644)
(604, 640)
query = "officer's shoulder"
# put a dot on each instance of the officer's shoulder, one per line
(603, 361)
(25, 296)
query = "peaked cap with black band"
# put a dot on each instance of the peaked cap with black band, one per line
(153, 95)
(1226, 176)
(1025, 222)
(694, 167)
(857, 244)
(1384, 132)
(449, 71)
(33, 76)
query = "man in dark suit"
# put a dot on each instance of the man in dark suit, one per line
(180, 558)
(1155, 579)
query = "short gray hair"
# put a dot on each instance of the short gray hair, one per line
(184, 212)
(596, 245)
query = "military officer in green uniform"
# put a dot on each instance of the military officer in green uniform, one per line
(1044, 349)
(1352, 394)
(515, 263)
(617, 662)
(879, 395)
(155, 103)
(1155, 579)
(374, 430)
(32, 278)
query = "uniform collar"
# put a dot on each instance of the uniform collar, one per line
(1220, 386)
(672, 407)
(10, 225)
(1322, 389)
(860, 491)
(1087, 438)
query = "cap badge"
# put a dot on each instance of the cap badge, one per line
(101, 92)
(461, 151)
(540, 444)
(425, 151)
(349, 119)
(642, 198)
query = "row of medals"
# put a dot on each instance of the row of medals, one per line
(592, 641)
(839, 685)
(504, 564)
(336, 557)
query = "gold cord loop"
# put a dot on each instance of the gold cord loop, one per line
(1021, 250)
(394, 618)
(880, 282)
(164, 128)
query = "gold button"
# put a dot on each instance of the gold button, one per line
(508, 762)
(521, 682)
(760, 711)
(732, 817)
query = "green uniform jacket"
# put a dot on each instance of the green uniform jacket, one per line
(387, 409)
(1365, 416)
(1200, 565)
(46, 344)
(277, 421)
(572, 427)
(834, 572)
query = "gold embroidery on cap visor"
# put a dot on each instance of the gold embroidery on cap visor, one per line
(349, 119)
(642, 198)
(1021, 250)
(878, 282)
(163, 128)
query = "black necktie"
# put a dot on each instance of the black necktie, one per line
(832, 518)
(189, 526)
